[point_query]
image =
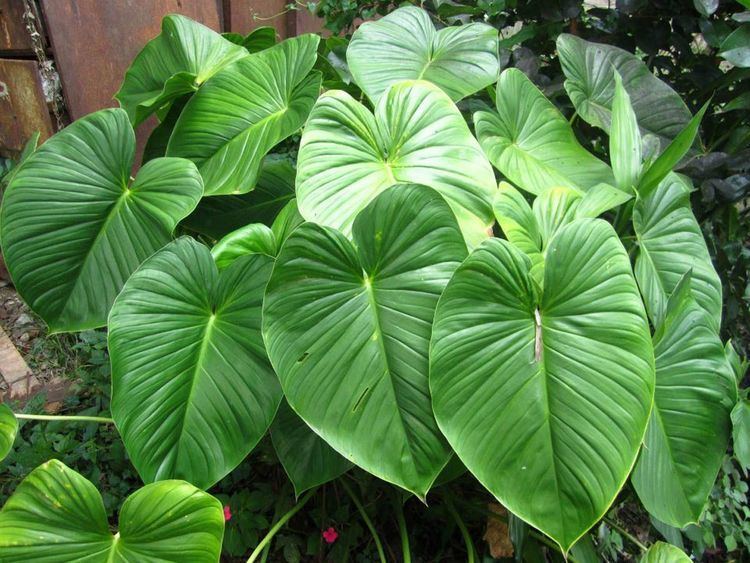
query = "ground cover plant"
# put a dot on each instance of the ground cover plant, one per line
(406, 288)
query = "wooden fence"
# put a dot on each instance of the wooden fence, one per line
(89, 44)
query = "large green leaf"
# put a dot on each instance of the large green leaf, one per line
(192, 389)
(741, 432)
(625, 146)
(689, 427)
(670, 243)
(736, 47)
(532, 143)
(255, 238)
(590, 83)
(55, 514)
(8, 430)
(404, 45)
(73, 225)
(177, 61)
(218, 216)
(348, 156)
(545, 398)
(230, 124)
(307, 459)
(662, 552)
(347, 327)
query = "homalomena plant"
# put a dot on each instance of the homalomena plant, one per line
(357, 303)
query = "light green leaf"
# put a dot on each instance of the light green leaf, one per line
(404, 45)
(736, 47)
(589, 82)
(741, 432)
(306, 458)
(192, 389)
(688, 431)
(57, 515)
(670, 243)
(255, 238)
(257, 40)
(218, 216)
(287, 220)
(624, 140)
(554, 209)
(738, 364)
(671, 156)
(545, 399)
(348, 156)
(177, 61)
(601, 198)
(8, 430)
(532, 143)
(662, 552)
(73, 225)
(347, 327)
(517, 221)
(230, 124)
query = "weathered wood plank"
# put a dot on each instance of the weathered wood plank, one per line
(23, 108)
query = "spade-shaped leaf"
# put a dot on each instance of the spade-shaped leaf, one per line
(689, 427)
(347, 327)
(590, 83)
(404, 45)
(532, 143)
(348, 156)
(218, 216)
(662, 552)
(670, 244)
(55, 514)
(545, 398)
(73, 225)
(230, 124)
(192, 389)
(306, 458)
(8, 430)
(176, 62)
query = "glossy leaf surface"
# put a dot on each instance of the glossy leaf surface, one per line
(347, 327)
(8, 430)
(230, 124)
(741, 432)
(255, 238)
(588, 68)
(670, 243)
(176, 62)
(404, 45)
(624, 140)
(306, 458)
(689, 427)
(545, 398)
(662, 552)
(192, 389)
(74, 227)
(55, 514)
(348, 156)
(532, 143)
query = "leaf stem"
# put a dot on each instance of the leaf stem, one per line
(366, 518)
(635, 541)
(73, 418)
(462, 527)
(280, 524)
(405, 548)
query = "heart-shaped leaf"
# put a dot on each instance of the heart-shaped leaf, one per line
(55, 514)
(404, 45)
(662, 552)
(218, 216)
(348, 156)
(73, 225)
(347, 327)
(230, 124)
(192, 389)
(670, 243)
(545, 398)
(306, 458)
(177, 61)
(689, 428)
(590, 83)
(255, 238)
(8, 430)
(532, 143)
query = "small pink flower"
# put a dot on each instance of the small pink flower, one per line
(330, 535)
(227, 513)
